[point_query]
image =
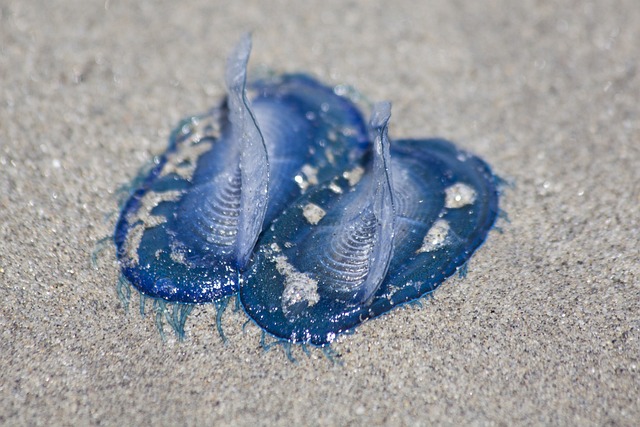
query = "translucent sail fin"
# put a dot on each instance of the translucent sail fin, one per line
(254, 165)
(349, 252)
(381, 204)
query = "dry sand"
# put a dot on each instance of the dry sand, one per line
(545, 329)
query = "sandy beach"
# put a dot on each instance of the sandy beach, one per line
(543, 330)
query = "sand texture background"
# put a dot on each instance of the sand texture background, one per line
(545, 328)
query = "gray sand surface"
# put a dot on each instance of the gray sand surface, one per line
(545, 328)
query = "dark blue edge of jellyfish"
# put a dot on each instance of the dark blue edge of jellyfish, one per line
(344, 131)
(418, 266)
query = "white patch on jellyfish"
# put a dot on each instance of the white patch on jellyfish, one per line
(149, 202)
(391, 290)
(313, 213)
(459, 195)
(354, 175)
(275, 247)
(177, 256)
(154, 221)
(143, 220)
(307, 177)
(330, 157)
(302, 183)
(349, 131)
(298, 287)
(132, 243)
(311, 173)
(436, 237)
(184, 161)
(335, 188)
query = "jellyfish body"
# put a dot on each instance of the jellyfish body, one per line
(383, 233)
(190, 226)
